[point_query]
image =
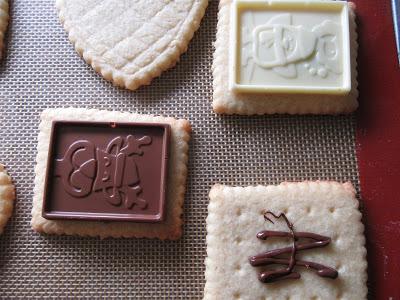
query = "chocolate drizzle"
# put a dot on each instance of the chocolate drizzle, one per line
(271, 257)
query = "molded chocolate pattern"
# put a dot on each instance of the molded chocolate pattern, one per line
(106, 171)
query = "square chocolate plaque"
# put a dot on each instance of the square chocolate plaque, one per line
(107, 171)
(287, 46)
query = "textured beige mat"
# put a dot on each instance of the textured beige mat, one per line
(41, 69)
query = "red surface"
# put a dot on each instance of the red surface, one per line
(378, 145)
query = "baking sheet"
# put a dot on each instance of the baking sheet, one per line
(41, 69)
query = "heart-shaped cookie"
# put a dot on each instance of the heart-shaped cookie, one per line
(129, 42)
(3, 22)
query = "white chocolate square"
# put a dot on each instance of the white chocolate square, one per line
(290, 46)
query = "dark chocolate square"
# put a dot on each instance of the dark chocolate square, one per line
(107, 171)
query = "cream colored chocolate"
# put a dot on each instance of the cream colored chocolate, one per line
(229, 98)
(290, 47)
(235, 216)
(131, 42)
(171, 228)
(7, 197)
(3, 23)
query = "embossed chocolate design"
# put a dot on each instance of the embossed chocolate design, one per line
(290, 47)
(107, 171)
(273, 257)
(117, 174)
(281, 46)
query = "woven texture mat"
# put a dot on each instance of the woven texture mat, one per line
(41, 69)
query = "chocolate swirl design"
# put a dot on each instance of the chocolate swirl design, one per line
(271, 257)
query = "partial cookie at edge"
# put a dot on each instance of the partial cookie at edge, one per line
(3, 23)
(171, 228)
(7, 197)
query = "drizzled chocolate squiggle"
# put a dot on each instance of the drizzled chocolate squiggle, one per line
(270, 257)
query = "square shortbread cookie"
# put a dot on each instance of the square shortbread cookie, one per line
(281, 84)
(236, 215)
(168, 228)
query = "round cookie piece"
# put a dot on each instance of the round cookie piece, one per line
(7, 196)
(3, 22)
(131, 42)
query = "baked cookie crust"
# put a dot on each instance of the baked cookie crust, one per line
(131, 42)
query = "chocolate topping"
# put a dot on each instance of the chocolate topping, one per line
(107, 171)
(270, 257)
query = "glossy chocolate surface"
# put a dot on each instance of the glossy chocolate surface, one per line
(107, 171)
(272, 257)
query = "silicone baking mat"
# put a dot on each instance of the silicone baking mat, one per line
(41, 69)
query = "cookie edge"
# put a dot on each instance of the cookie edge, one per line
(7, 195)
(4, 18)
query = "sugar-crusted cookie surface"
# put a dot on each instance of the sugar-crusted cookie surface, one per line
(324, 208)
(7, 196)
(131, 42)
(226, 101)
(170, 228)
(3, 22)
